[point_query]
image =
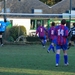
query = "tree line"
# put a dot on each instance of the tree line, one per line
(50, 2)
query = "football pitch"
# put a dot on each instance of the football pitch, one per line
(33, 60)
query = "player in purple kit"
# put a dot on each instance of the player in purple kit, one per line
(52, 37)
(61, 32)
(41, 32)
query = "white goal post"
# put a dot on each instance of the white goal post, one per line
(27, 14)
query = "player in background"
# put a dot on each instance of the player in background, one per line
(2, 30)
(61, 32)
(41, 32)
(52, 37)
(72, 36)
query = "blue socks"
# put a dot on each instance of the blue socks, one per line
(43, 42)
(57, 58)
(51, 47)
(65, 59)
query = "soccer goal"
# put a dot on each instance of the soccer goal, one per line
(31, 21)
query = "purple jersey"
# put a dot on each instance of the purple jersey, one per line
(61, 32)
(41, 31)
(51, 33)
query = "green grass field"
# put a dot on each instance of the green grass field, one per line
(33, 60)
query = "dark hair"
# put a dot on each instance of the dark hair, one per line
(74, 24)
(53, 24)
(63, 21)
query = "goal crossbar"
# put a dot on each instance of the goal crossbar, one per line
(27, 14)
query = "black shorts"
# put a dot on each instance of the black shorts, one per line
(73, 38)
(1, 32)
